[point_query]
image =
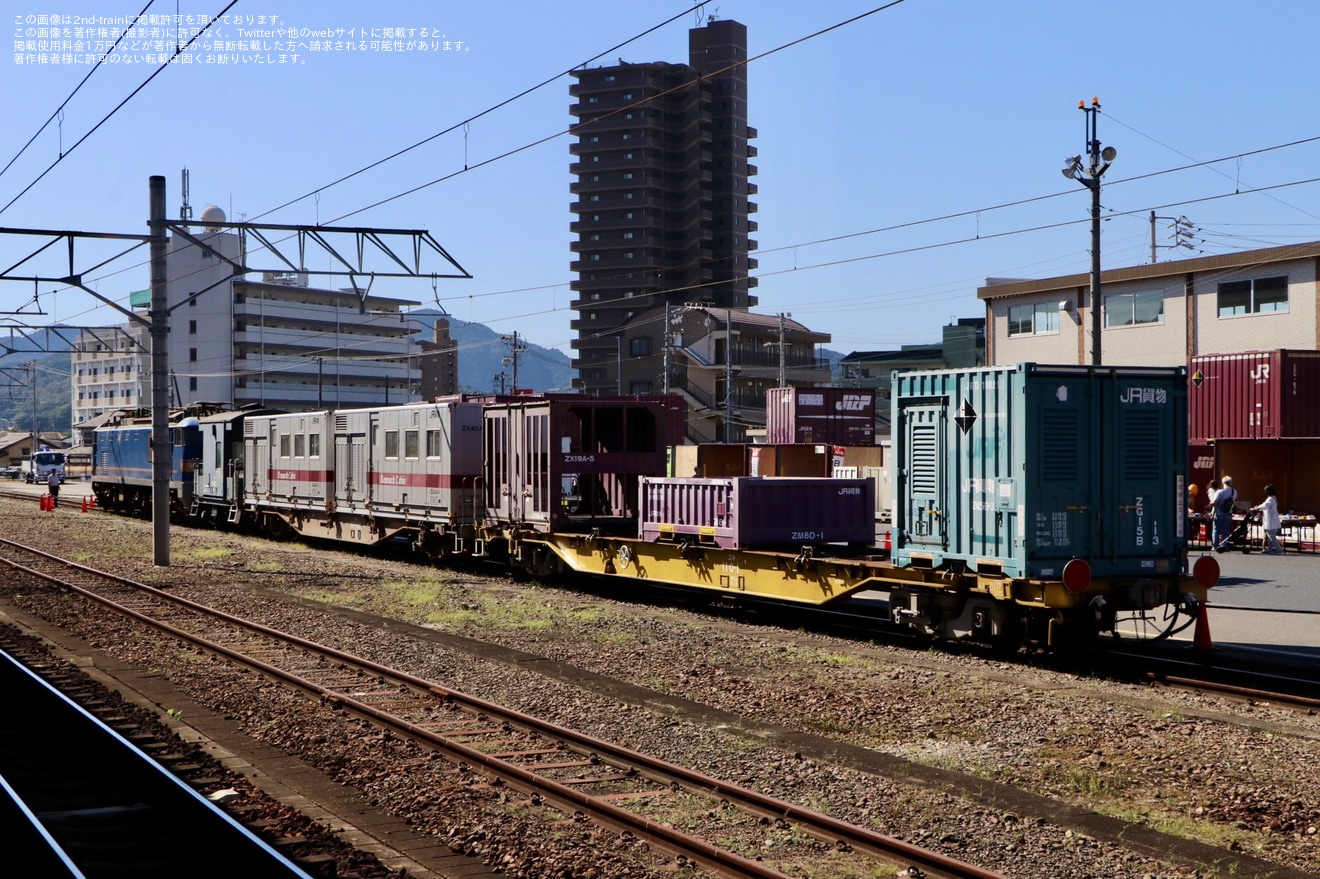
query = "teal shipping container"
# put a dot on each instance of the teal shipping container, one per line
(1017, 470)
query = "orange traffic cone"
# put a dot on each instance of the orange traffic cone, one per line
(889, 540)
(1201, 638)
(84, 505)
(1201, 536)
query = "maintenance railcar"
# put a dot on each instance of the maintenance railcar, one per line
(222, 470)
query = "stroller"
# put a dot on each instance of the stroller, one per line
(1240, 536)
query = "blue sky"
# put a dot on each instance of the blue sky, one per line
(887, 147)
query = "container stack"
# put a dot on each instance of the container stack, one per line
(1255, 416)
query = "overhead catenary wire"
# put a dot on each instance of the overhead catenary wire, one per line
(54, 115)
(768, 251)
(178, 50)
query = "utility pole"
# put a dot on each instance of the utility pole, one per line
(515, 348)
(32, 383)
(668, 341)
(783, 365)
(162, 445)
(728, 375)
(1183, 230)
(1089, 176)
(348, 260)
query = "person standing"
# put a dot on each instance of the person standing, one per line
(1223, 504)
(1269, 515)
(53, 485)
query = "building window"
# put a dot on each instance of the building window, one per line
(627, 235)
(595, 138)
(639, 348)
(192, 353)
(611, 78)
(627, 137)
(313, 445)
(1253, 297)
(192, 384)
(627, 155)
(627, 254)
(391, 444)
(1131, 309)
(433, 444)
(410, 443)
(593, 100)
(1033, 320)
(192, 327)
(284, 445)
(300, 446)
(595, 236)
(595, 257)
(639, 388)
(627, 175)
(628, 96)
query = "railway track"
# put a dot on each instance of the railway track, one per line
(78, 799)
(697, 819)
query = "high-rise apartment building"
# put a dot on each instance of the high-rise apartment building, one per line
(662, 193)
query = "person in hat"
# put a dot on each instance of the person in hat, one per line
(1223, 502)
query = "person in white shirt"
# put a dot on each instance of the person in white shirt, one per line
(1269, 514)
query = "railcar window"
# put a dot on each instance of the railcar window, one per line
(314, 445)
(391, 444)
(300, 446)
(284, 445)
(410, 444)
(433, 444)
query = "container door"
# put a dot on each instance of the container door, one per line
(233, 455)
(1147, 512)
(1065, 470)
(259, 478)
(923, 514)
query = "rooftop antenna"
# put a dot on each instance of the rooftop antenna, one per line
(185, 212)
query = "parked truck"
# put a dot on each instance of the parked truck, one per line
(40, 466)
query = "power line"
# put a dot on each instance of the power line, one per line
(491, 109)
(178, 51)
(80, 84)
(643, 102)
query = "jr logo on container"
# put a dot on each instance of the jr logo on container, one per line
(1141, 396)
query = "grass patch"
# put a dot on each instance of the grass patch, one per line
(269, 567)
(205, 554)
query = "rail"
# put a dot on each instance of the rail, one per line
(548, 763)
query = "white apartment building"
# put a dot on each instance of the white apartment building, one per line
(1161, 314)
(276, 342)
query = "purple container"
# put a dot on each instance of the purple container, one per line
(758, 513)
(837, 416)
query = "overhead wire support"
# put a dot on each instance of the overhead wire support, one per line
(368, 242)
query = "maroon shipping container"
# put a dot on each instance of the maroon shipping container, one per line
(1254, 395)
(837, 416)
(751, 512)
(570, 463)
